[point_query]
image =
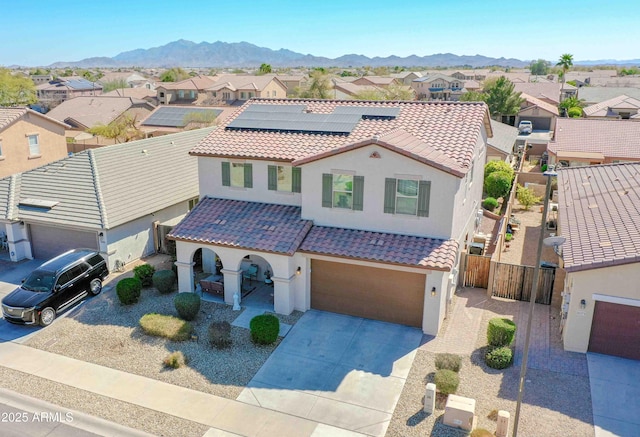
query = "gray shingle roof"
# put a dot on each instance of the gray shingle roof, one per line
(106, 187)
(599, 214)
(504, 137)
(597, 94)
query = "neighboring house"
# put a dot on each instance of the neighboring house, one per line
(133, 79)
(598, 215)
(624, 81)
(471, 85)
(580, 142)
(360, 208)
(541, 113)
(348, 90)
(406, 77)
(230, 89)
(170, 119)
(437, 87)
(142, 93)
(621, 107)
(292, 82)
(29, 139)
(547, 92)
(477, 75)
(591, 95)
(379, 81)
(118, 199)
(190, 91)
(500, 147)
(41, 78)
(54, 92)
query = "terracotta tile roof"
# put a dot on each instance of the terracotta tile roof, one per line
(428, 253)
(533, 101)
(251, 225)
(613, 138)
(196, 83)
(540, 90)
(352, 88)
(452, 128)
(9, 115)
(599, 214)
(596, 94)
(240, 82)
(88, 111)
(602, 109)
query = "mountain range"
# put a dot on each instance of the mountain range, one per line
(183, 53)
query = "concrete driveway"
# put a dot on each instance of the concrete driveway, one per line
(615, 394)
(339, 370)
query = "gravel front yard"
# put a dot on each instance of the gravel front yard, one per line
(104, 332)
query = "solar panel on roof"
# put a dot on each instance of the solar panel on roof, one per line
(369, 111)
(175, 116)
(258, 107)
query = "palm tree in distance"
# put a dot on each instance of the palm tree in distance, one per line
(565, 62)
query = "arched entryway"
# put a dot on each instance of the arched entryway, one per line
(207, 272)
(257, 284)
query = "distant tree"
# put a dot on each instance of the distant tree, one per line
(238, 71)
(473, 96)
(381, 71)
(399, 92)
(539, 67)
(123, 129)
(114, 85)
(571, 102)
(319, 86)
(67, 72)
(501, 98)
(498, 184)
(39, 72)
(526, 197)
(631, 71)
(90, 75)
(369, 95)
(264, 69)
(347, 73)
(575, 112)
(16, 90)
(565, 63)
(175, 74)
(398, 69)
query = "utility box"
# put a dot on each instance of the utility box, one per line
(459, 412)
(430, 398)
(503, 424)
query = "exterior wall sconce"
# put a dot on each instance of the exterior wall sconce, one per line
(21, 223)
(583, 304)
(299, 271)
(433, 291)
(101, 234)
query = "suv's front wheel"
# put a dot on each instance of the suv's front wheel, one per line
(95, 287)
(47, 316)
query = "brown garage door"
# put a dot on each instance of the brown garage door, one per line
(47, 242)
(379, 294)
(615, 330)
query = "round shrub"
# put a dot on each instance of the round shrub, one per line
(264, 329)
(220, 334)
(494, 166)
(164, 281)
(575, 112)
(187, 305)
(128, 290)
(498, 357)
(175, 360)
(498, 184)
(500, 332)
(480, 432)
(447, 381)
(144, 272)
(490, 204)
(448, 361)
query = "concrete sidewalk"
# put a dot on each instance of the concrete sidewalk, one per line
(225, 416)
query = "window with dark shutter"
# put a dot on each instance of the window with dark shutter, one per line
(226, 174)
(327, 190)
(424, 195)
(272, 177)
(296, 179)
(248, 175)
(389, 196)
(358, 193)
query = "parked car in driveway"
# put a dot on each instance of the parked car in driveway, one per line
(55, 286)
(525, 127)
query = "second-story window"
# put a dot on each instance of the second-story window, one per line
(34, 145)
(236, 174)
(341, 190)
(284, 178)
(407, 197)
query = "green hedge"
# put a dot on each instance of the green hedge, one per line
(170, 327)
(447, 381)
(164, 281)
(187, 305)
(128, 290)
(500, 332)
(448, 361)
(498, 357)
(264, 329)
(490, 204)
(144, 272)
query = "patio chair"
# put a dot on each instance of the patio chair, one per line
(251, 273)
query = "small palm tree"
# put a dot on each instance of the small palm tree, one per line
(565, 62)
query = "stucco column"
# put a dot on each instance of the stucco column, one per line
(434, 306)
(19, 245)
(185, 276)
(232, 284)
(283, 294)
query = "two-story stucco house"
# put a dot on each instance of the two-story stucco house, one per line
(359, 208)
(437, 87)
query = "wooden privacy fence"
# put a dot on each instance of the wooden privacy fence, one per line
(476, 272)
(514, 281)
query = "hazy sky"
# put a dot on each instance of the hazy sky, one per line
(40, 32)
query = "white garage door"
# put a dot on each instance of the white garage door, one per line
(47, 242)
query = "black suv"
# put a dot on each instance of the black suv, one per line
(55, 286)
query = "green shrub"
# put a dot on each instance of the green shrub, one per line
(220, 334)
(128, 290)
(264, 329)
(498, 357)
(144, 272)
(500, 332)
(490, 204)
(526, 196)
(480, 432)
(494, 166)
(164, 281)
(508, 236)
(187, 305)
(575, 112)
(448, 361)
(498, 184)
(175, 360)
(169, 327)
(544, 168)
(447, 381)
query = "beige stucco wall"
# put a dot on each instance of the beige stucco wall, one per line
(273, 87)
(618, 281)
(15, 144)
